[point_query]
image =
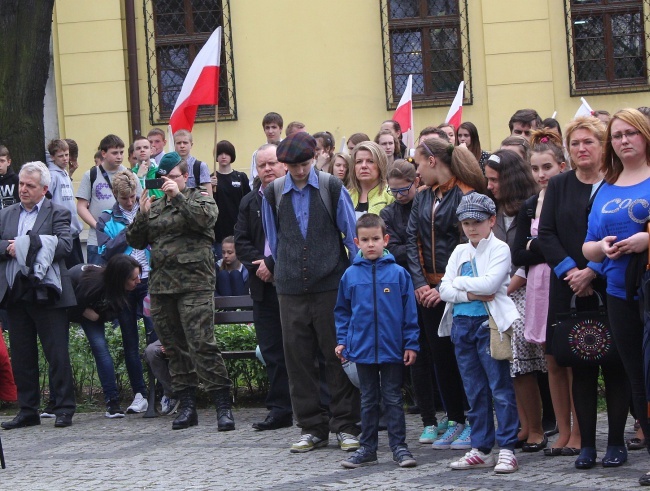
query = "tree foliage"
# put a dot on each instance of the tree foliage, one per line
(26, 27)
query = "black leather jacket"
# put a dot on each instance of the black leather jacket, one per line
(396, 217)
(447, 234)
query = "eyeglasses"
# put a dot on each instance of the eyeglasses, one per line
(402, 191)
(628, 134)
(174, 177)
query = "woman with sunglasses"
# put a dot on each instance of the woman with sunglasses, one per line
(403, 183)
(433, 232)
(616, 230)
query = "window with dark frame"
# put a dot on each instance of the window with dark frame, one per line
(176, 30)
(429, 40)
(607, 45)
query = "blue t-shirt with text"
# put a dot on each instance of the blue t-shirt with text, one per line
(621, 211)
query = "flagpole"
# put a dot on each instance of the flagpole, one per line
(216, 119)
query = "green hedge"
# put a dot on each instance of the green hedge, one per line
(247, 375)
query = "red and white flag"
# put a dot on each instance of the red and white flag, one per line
(455, 114)
(201, 85)
(404, 114)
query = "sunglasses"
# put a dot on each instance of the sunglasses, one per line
(402, 191)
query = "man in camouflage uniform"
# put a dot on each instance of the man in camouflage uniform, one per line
(180, 230)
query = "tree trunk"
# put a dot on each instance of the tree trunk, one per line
(26, 27)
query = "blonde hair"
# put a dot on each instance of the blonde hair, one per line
(589, 123)
(378, 155)
(183, 133)
(612, 165)
(124, 183)
(348, 163)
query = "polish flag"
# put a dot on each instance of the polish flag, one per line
(404, 114)
(455, 114)
(584, 109)
(201, 85)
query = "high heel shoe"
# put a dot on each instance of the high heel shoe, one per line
(616, 455)
(586, 459)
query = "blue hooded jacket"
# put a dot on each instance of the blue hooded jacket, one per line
(376, 316)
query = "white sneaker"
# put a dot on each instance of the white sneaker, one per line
(168, 405)
(474, 459)
(307, 443)
(507, 462)
(139, 405)
(348, 442)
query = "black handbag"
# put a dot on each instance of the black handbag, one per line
(583, 337)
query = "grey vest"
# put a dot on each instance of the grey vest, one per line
(317, 263)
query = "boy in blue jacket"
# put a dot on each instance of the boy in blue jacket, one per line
(377, 328)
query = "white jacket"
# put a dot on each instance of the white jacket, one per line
(492, 257)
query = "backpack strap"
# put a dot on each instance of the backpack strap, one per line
(325, 193)
(196, 171)
(93, 178)
(278, 186)
(324, 180)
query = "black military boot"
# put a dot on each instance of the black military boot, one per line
(187, 415)
(225, 419)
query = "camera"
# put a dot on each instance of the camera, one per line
(154, 183)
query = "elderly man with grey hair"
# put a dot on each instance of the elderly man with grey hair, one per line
(37, 217)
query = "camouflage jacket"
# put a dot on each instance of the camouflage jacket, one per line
(180, 232)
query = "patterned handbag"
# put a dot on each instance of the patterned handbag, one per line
(583, 337)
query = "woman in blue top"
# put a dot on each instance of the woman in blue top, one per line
(617, 229)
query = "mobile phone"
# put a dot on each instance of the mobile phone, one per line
(154, 183)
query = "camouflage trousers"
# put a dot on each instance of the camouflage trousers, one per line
(184, 323)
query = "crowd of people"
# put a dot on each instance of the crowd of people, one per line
(367, 268)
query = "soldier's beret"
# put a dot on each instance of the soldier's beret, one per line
(296, 149)
(168, 162)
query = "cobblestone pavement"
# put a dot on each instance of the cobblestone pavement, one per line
(134, 453)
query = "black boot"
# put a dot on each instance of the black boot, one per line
(187, 415)
(225, 419)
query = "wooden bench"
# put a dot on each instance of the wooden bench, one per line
(234, 310)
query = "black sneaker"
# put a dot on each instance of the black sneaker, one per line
(360, 458)
(113, 409)
(404, 458)
(48, 412)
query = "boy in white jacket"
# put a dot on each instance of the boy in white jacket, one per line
(476, 280)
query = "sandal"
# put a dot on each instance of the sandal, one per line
(570, 451)
(635, 443)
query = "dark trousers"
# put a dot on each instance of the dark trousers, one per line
(627, 331)
(422, 376)
(382, 382)
(307, 327)
(29, 322)
(585, 400)
(448, 377)
(268, 328)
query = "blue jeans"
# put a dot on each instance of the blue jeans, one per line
(383, 379)
(128, 320)
(485, 380)
(93, 257)
(105, 369)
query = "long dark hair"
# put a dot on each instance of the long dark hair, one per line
(516, 182)
(475, 142)
(109, 282)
